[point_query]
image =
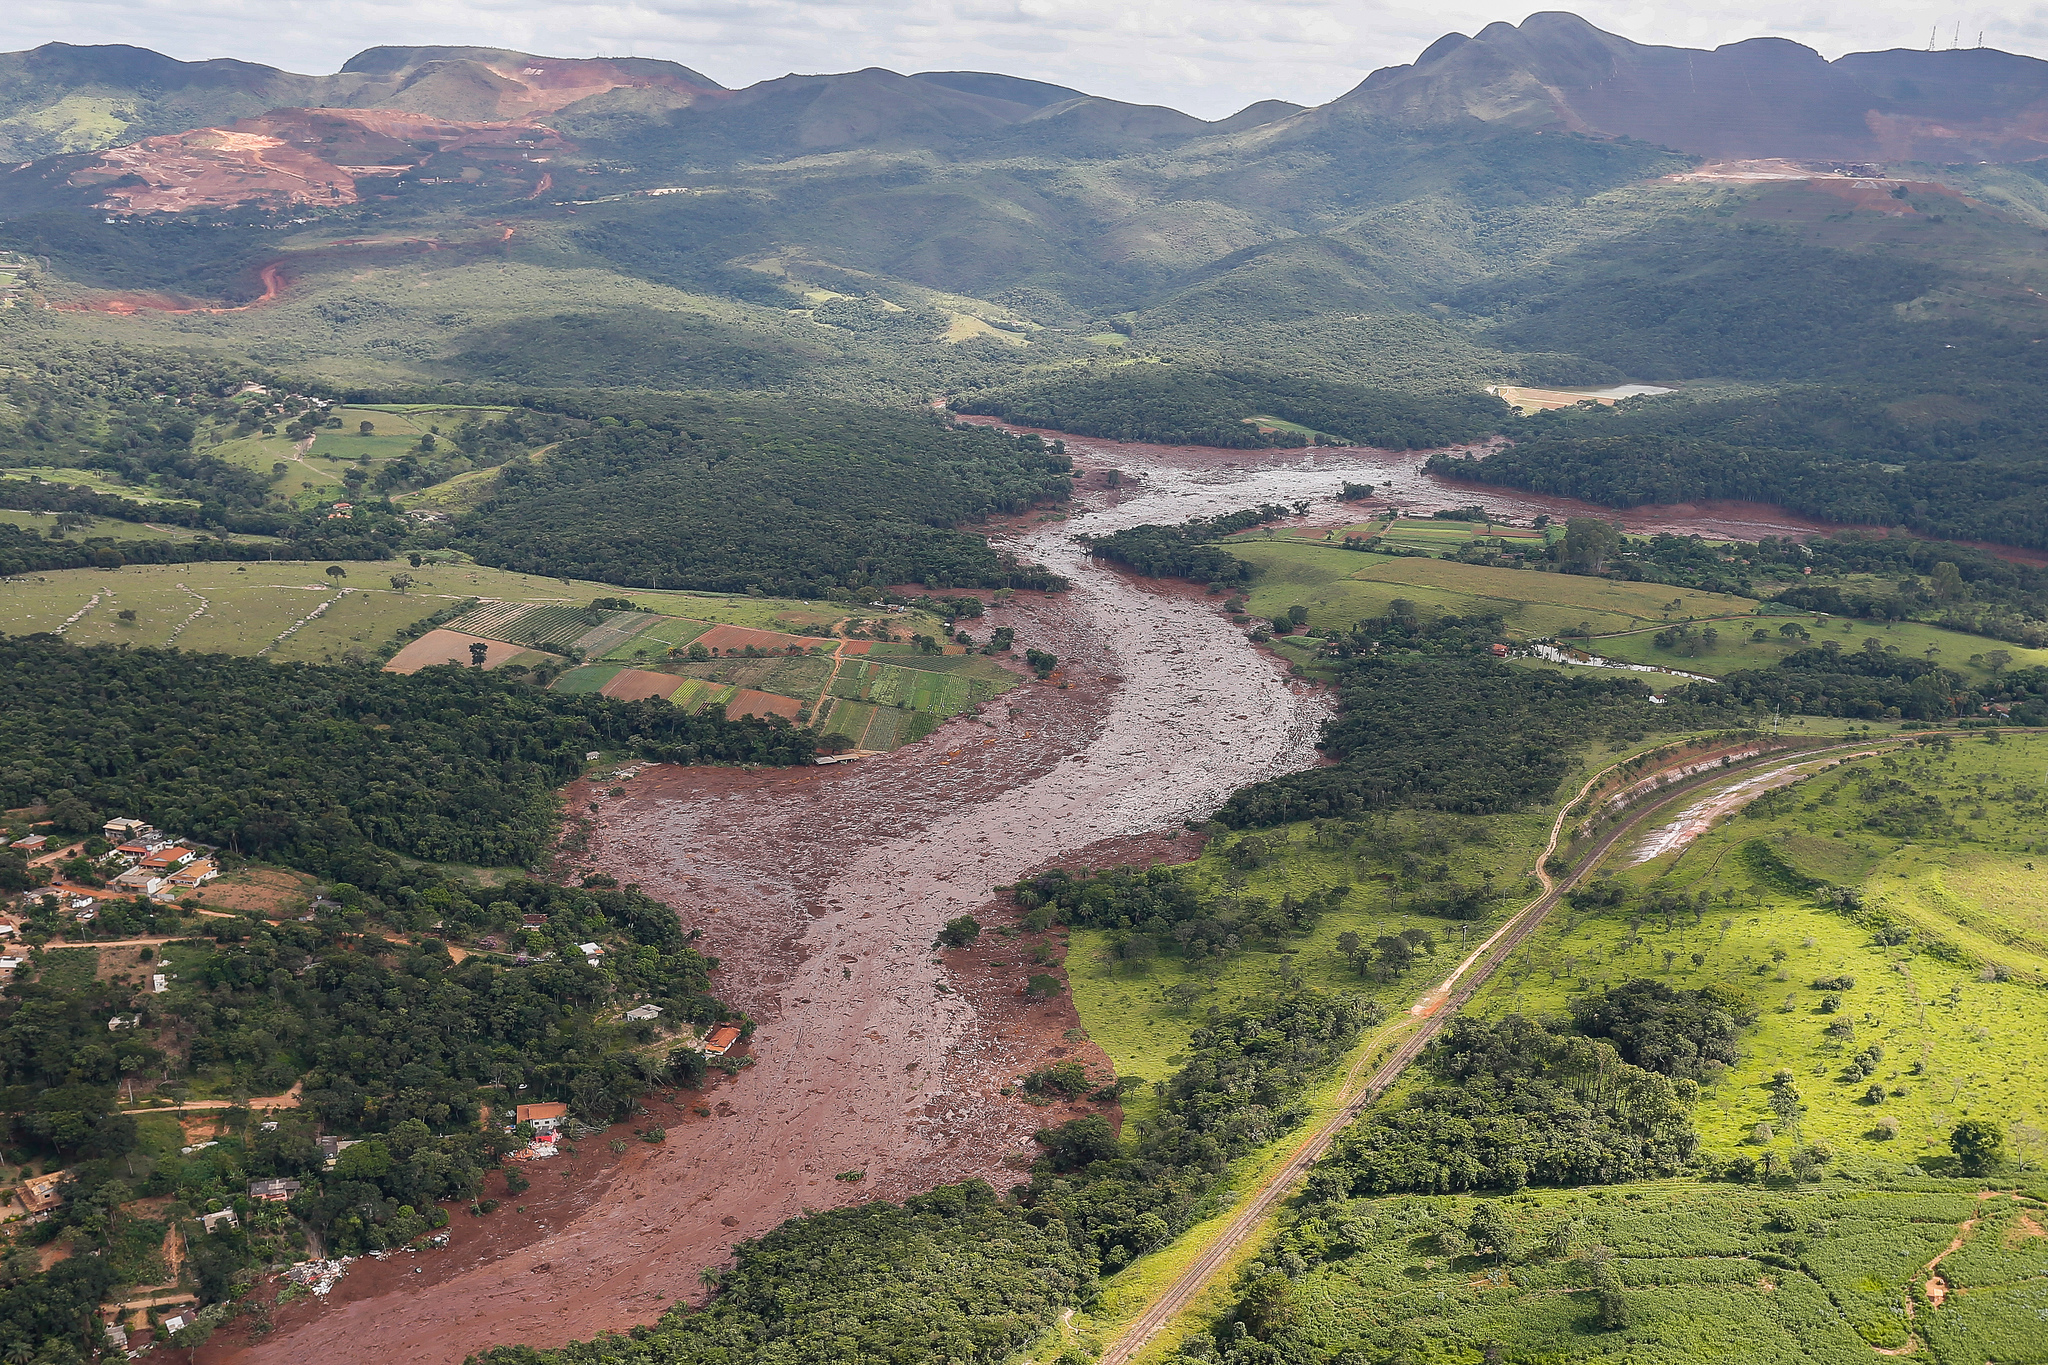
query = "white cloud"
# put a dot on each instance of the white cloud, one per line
(1209, 57)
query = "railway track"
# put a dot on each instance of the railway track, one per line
(1426, 1018)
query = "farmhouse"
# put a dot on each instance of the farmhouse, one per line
(33, 844)
(41, 1193)
(643, 1012)
(721, 1040)
(545, 1118)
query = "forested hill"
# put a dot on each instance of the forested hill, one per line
(326, 768)
(794, 499)
(1183, 405)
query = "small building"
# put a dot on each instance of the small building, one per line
(121, 1021)
(1500, 651)
(331, 1149)
(214, 1222)
(642, 1013)
(159, 983)
(41, 1193)
(590, 949)
(196, 873)
(132, 852)
(33, 844)
(139, 879)
(721, 1040)
(547, 1119)
(122, 829)
(164, 859)
(273, 1191)
(533, 921)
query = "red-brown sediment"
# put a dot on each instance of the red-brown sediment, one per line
(821, 890)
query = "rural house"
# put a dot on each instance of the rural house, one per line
(214, 1222)
(273, 1191)
(545, 1118)
(41, 1193)
(721, 1040)
(644, 1012)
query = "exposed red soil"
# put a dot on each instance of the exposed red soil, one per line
(632, 684)
(299, 156)
(820, 891)
(450, 647)
(1402, 483)
(747, 702)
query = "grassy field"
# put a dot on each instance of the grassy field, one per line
(1736, 650)
(105, 528)
(242, 608)
(97, 480)
(1341, 586)
(1957, 1040)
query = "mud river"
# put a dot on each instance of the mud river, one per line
(821, 889)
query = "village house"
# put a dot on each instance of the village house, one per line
(41, 1193)
(140, 880)
(122, 829)
(32, 844)
(640, 1013)
(168, 857)
(721, 1040)
(214, 1222)
(194, 874)
(331, 1149)
(547, 1119)
(273, 1191)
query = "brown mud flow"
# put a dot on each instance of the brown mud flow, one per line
(821, 890)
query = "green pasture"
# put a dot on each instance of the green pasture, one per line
(106, 528)
(1125, 1004)
(1958, 1041)
(1710, 1274)
(1734, 649)
(586, 679)
(97, 480)
(1341, 586)
(246, 606)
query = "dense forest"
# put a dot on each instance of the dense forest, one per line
(1183, 405)
(1429, 718)
(733, 494)
(959, 1274)
(326, 768)
(1185, 551)
(1944, 444)
(1510, 1103)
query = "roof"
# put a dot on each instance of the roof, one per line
(644, 1012)
(721, 1039)
(527, 1113)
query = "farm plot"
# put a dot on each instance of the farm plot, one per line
(661, 634)
(455, 647)
(635, 684)
(589, 678)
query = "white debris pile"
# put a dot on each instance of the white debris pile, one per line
(318, 1276)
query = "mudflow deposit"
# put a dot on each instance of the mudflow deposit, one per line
(820, 891)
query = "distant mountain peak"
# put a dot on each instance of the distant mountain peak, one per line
(1759, 97)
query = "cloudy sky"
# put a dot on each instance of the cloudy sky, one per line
(1209, 57)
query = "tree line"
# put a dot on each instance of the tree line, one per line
(332, 769)
(1186, 405)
